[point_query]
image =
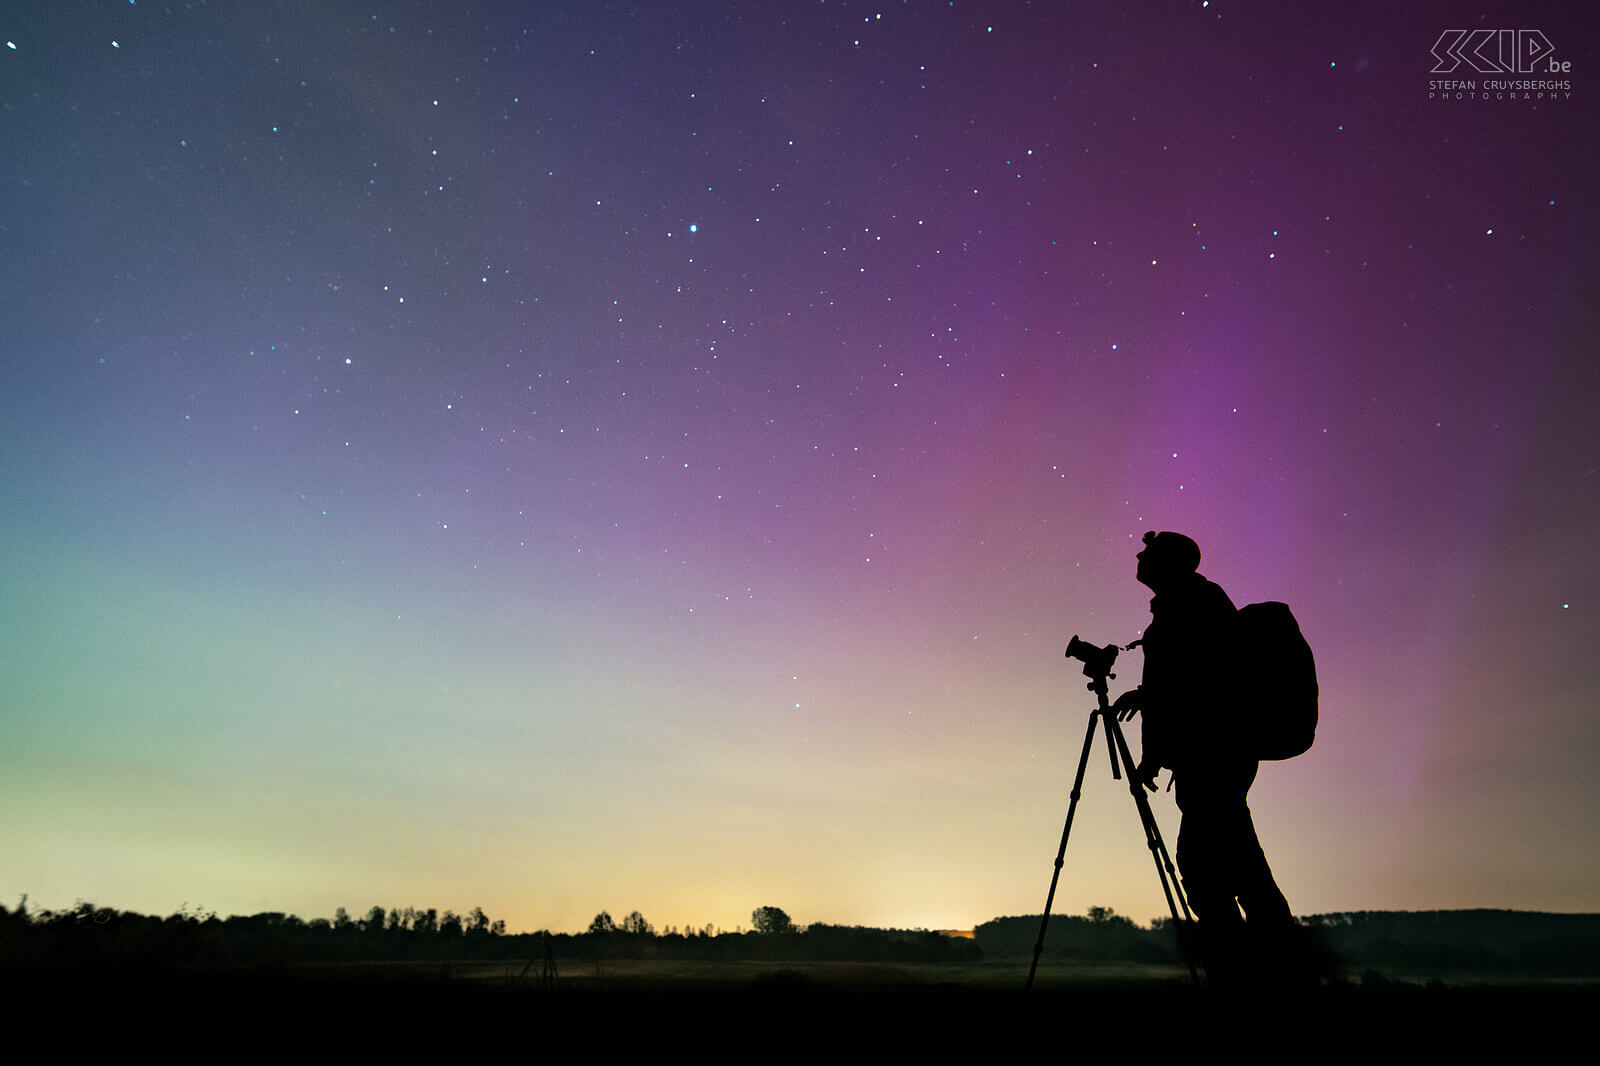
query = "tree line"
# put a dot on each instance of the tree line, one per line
(86, 937)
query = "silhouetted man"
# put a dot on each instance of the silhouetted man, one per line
(1188, 728)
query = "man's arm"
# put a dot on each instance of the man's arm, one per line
(1128, 704)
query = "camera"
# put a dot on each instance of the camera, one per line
(1097, 662)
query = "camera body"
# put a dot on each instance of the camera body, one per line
(1097, 661)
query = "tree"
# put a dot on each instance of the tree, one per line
(603, 923)
(635, 923)
(771, 920)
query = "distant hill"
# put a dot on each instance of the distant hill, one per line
(1488, 942)
(1484, 941)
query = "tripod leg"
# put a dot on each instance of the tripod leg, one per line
(1061, 852)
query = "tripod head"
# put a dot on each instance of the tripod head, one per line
(1097, 662)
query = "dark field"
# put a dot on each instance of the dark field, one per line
(1430, 985)
(755, 1009)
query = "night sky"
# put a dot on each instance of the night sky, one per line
(575, 456)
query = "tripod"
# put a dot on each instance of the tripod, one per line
(1097, 663)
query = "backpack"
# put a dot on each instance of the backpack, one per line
(1279, 708)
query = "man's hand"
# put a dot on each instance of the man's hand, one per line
(1127, 705)
(1146, 774)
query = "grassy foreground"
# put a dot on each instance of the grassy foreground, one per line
(644, 989)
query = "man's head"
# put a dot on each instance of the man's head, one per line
(1166, 556)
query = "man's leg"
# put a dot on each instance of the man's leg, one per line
(1220, 929)
(1259, 894)
(1278, 946)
